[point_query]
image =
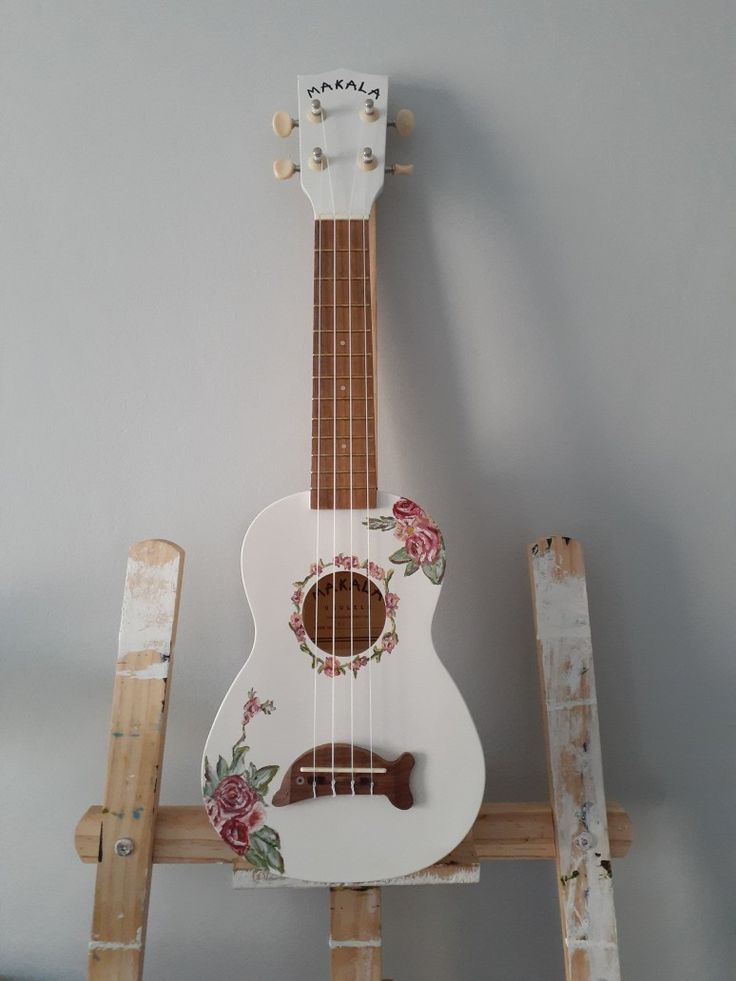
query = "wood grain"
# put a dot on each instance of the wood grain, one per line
(136, 744)
(501, 831)
(583, 853)
(355, 934)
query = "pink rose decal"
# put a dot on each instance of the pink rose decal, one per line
(423, 544)
(406, 510)
(332, 667)
(388, 642)
(375, 571)
(235, 834)
(392, 602)
(347, 562)
(234, 797)
(295, 622)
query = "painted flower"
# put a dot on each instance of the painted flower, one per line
(392, 602)
(251, 708)
(406, 510)
(358, 662)
(316, 567)
(295, 622)
(388, 642)
(296, 597)
(233, 797)
(423, 543)
(332, 666)
(347, 562)
(235, 833)
(376, 571)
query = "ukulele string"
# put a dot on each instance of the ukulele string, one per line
(319, 452)
(367, 501)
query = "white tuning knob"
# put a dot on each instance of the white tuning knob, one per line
(404, 122)
(284, 169)
(401, 170)
(282, 123)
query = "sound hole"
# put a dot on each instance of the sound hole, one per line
(327, 613)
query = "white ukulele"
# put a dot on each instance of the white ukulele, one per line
(343, 752)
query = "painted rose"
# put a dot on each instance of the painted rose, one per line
(347, 561)
(423, 544)
(392, 602)
(358, 662)
(388, 642)
(235, 833)
(331, 666)
(375, 571)
(406, 510)
(233, 797)
(295, 622)
(251, 708)
(296, 597)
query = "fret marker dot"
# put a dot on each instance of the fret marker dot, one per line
(342, 388)
(344, 446)
(342, 343)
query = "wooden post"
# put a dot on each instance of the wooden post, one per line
(140, 702)
(565, 654)
(355, 934)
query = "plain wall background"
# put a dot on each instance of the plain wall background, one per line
(556, 355)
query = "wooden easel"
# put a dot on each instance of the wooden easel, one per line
(129, 833)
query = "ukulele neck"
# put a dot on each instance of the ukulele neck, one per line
(343, 375)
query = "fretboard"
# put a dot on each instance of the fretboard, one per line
(343, 381)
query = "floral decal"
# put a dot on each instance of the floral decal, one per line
(423, 546)
(330, 665)
(234, 795)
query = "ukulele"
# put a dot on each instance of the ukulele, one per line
(343, 751)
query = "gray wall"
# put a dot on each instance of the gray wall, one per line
(556, 354)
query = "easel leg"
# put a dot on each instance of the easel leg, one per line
(355, 934)
(140, 703)
(583, 852)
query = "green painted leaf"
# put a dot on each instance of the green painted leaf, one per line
(263, 853)
(410, 568)
(222, 768)
(435, 571)
(210, 779)
(263, 778)
(389, 573)
(385, 523)
(269, 835)
(238, 763)
(401, 555)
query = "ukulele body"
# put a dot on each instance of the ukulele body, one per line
(274, 788)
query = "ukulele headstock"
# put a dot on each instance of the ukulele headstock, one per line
(342, 121)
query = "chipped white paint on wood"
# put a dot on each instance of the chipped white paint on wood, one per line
(565, 653)
(140, 703)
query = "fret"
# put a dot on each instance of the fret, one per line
(346, 388)
(327, 461)
(327, 411)
(341, 292)
(337, 343)
(342, 364)
(340, 428)
(342, 481)
(342, 317)
(324, 444)
(347, 262)
(332, 233)
(327, 499)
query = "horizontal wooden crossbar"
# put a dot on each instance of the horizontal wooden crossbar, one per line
(502, 830)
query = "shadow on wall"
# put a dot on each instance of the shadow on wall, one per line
(463, 170)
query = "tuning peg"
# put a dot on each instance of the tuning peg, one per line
(401, 170)
(282, 123)
(284, 169)
(404, 122)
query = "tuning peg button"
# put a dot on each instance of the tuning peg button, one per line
(401, 170)
(282, 123)
(284, 169)
(404, 122)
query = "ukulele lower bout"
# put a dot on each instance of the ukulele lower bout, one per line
(343, 751)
